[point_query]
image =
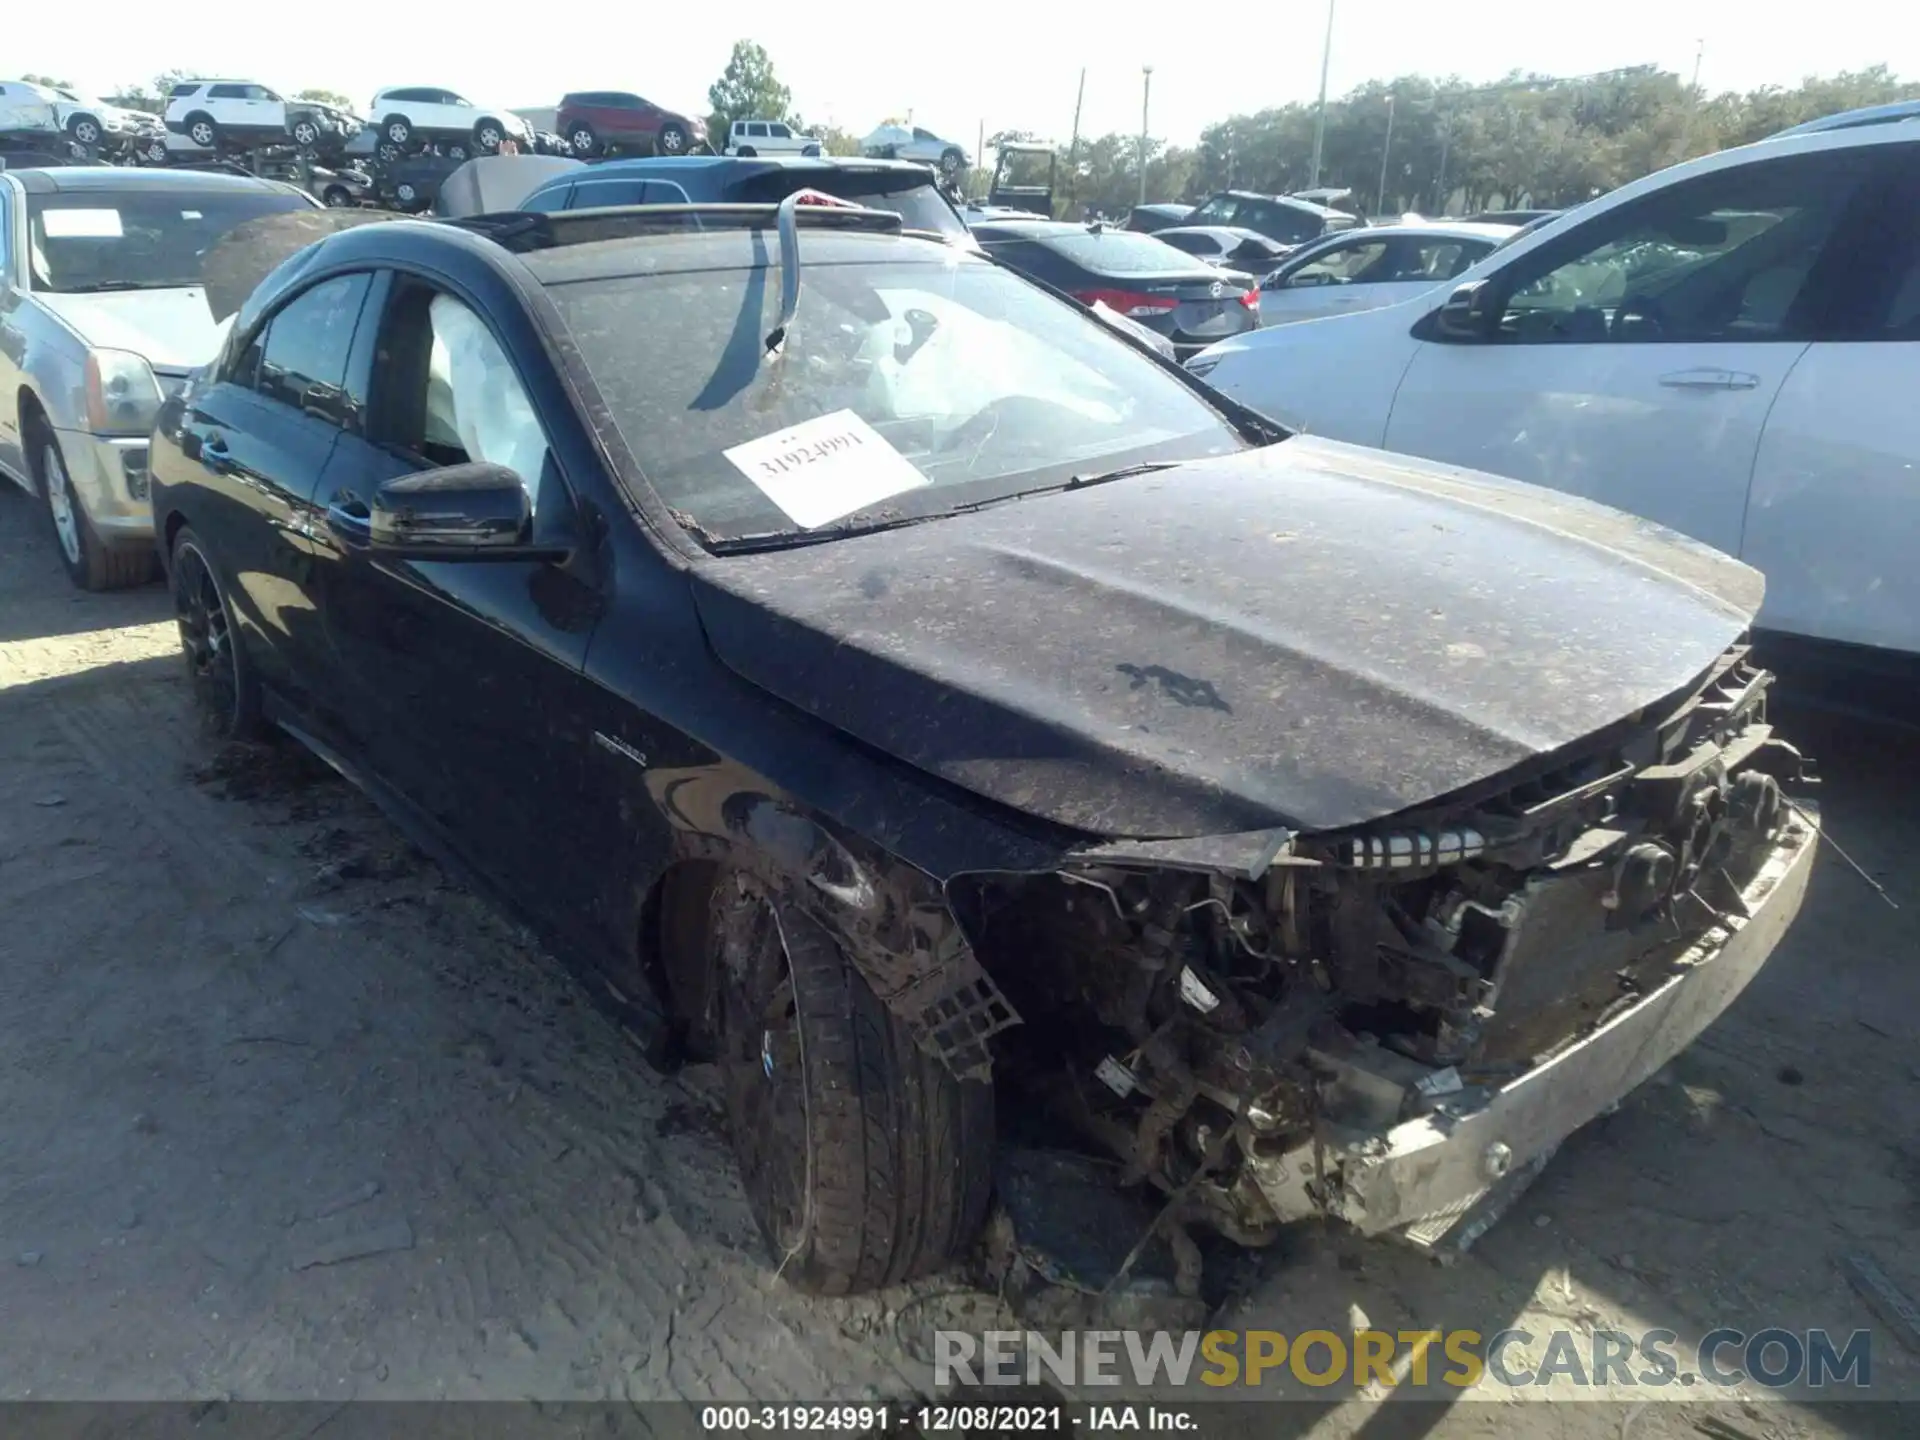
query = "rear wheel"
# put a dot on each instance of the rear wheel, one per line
(866, 1162)
(91, 563)
(582, 139)
(224, 689)
(745, 151)
(951, 162)
(202, 131)
(398, 130)
(336, 197)
(674, 138)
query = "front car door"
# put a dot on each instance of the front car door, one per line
(266, 110)
(261, 434)
(1634, 358)
(1833, 518)
(1314, 285)
(13, 339)
(464, 677)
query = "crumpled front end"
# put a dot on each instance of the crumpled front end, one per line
(1397, 1025)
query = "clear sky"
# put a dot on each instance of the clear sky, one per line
(1003, 63)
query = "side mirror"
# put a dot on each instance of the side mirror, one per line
(1467, 314)
(473, 507)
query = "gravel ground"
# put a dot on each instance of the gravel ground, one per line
(286, 1114)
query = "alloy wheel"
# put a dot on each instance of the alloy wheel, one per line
(202, 135)
(206, 637)
(60, 502)
(86, 132)
(672, 142)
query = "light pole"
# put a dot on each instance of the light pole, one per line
(1146, 89)
(1320, 119)
(1380, 200)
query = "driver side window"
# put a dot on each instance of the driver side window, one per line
(1730, 256)
(449, 394)
(1343, 265)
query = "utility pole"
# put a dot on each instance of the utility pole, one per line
(1073, 146)
(1320, 118)
(1146, 89)
(1380, 200)
(1699, 49)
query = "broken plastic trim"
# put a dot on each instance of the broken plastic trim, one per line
(788, 219)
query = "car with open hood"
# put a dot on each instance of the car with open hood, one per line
(881, 679)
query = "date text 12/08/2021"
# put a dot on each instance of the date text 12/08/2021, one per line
(862, 1420)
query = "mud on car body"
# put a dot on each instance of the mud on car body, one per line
(1314, 830)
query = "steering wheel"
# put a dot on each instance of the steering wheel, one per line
(1637, 312)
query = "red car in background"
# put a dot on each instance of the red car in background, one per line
(594, 121)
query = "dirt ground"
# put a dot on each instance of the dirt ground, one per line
(286, 1114)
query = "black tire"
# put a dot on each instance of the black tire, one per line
(305, 132)
(387, 151)
(582, 139)
(225, 691)
(746, 152)
(397, 130)
(337, 197)
(407, 194)
(487, 136)
(157, 151)
(952, 162)
(674, 139)
(457, 151)
(866, 1162)
(84, 130)
(202, 131)
(90, 562)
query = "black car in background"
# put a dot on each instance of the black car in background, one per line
(1149, 218)
(1278, 217)
(1170, 292)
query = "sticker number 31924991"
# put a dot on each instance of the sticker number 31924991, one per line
(825, 468)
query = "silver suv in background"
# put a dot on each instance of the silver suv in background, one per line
(103, 311)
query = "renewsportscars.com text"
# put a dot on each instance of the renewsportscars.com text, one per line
(1773, 1358)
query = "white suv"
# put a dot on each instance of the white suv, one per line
(769, 137)
(1729, 348)
(212, 113)
(411, 115)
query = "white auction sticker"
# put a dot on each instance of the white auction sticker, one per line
(81, 224)
(825, 468)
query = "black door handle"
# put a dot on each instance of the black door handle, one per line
(354, 528)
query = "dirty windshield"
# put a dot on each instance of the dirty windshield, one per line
(904, 390)
(86, 241)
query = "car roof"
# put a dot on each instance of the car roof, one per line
(64, 179)
(682, 252)
(1443, 229)
(657, 165)
(1889, 114)
(1292, 202)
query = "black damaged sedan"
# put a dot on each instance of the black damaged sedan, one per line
(892, 684)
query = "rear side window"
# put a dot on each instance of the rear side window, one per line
(303, 360)
(179, 91)
(227, 92)
(909, 193)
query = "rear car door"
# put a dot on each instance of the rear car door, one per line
(1633, 360)
(466, 692)
(1833, 516)
(260, 436)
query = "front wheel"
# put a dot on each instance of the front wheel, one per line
(746, 152)
(488, 135)
(85, 130)
(951, 162)
(202, 131)
(306, 134)
(337, 197)
(90, 562)
(224, 690)
(866, 1161)
(582, 139)
(674, 138)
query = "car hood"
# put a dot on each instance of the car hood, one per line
(1309, 636)
(172, 329)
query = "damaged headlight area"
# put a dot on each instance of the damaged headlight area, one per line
(1397, 1025)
